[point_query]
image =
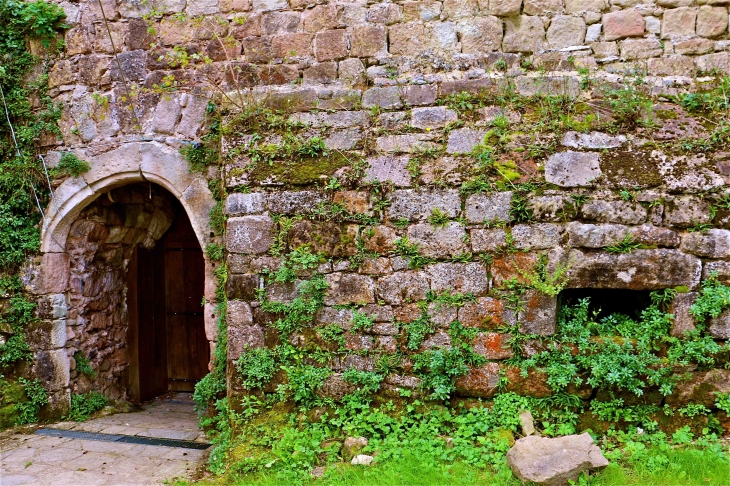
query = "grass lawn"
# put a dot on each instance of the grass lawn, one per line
(651, 467)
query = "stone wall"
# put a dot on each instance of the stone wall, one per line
(430, 47)
(380, 84)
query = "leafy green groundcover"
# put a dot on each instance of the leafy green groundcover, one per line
(416, 444)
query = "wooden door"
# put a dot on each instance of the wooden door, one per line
(166, 344)
(147, 331)
(187, 346)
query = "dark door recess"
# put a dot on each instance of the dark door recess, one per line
(166, 342)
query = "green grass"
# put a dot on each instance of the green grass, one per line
(678, 467)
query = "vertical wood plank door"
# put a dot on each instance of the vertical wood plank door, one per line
(151, 325)
(187, 346)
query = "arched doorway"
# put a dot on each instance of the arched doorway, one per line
(72, 272)
(166, 344)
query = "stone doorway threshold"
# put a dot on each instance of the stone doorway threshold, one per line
(29, 458)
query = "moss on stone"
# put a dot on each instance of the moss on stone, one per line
(300, 172)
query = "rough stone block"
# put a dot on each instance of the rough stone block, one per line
(566, 31)
(479, 382)
(326, 237)
(714, 243)
(686, 211)
(621, 24)
(330, 45)
(679, 22)
(632, 49)
(486, 313)
(671, 66)
(720, 326)
(481, 208)
(622, 212)
(683, 320)
(403, 287)
(638, 270)
(421, 10)
(389, 168)
(268, 5)
(432, 117)
(463, 140)
(367, 41)
(543, 7)
(443, 242)
(239, 204)
(572, 169)
(292, 202)
(523, 33)
(593, 140)
(548, 85)
(379, 239)
(547, 208)
(493, 345)
(385, 13)
(480, 34)
(249, 234)
(537, 236)
(595, 235)
(655, 235)
(487, 240)
(466, 278)
(242, 286)
(418, 95)
(388, 98)
(711, 21)
(539, 313)
(579, 6)
(410, 142)
(416, 205)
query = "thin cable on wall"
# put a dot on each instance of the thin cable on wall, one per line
(119, 66)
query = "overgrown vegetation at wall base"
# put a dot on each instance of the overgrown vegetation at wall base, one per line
(27, 114)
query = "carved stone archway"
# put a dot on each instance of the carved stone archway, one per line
(120, 165)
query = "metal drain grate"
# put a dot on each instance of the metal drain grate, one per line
(126, 439)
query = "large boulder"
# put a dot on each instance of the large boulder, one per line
(553, 462)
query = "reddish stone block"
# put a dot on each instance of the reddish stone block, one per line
(624, 23)
(506, 267)
(493, 345)
(367, 41)
(485, 313)
(479, 382)
(330, 45)
(292, 45)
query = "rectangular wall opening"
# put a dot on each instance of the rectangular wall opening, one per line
(608, 301)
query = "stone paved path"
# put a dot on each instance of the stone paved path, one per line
(43, 460)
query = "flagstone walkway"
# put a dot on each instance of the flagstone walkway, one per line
(43, 460)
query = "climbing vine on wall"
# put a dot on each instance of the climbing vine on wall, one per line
(27, 114)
